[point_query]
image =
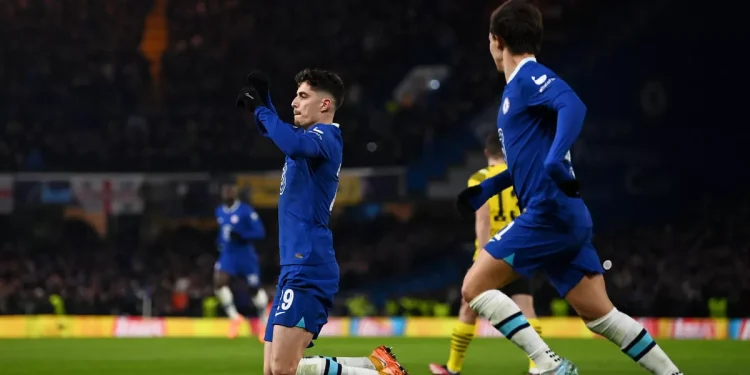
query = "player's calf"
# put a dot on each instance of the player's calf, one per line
(327, 366)
(461, 338)
(479, 289)
(224, 294)
(589, 298)
(380, 362)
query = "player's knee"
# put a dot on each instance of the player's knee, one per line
(470, 290)
(283, 367)
(589, 298)
(220, 279)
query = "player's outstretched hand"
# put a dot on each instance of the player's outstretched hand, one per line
(249, 98)
(571, 188)
(261, 82)
(465, 203)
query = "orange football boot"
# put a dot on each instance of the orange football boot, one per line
(385, 362)
(234, 327)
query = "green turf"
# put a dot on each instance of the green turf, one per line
(245, 356)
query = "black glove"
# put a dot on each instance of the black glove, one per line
(571, 188)
(249, 98)
(261, 81)
(464, 201)
(237, 238)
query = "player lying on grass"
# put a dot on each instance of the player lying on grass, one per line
(309, 277)
(239, 225)
(539, 119)
(493, 216)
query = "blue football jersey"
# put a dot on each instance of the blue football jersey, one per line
(241, 219)
(307, 194)
(526, 125)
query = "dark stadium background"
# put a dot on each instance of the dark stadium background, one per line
(117, 121)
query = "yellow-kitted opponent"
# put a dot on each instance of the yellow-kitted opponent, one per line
(490, 218)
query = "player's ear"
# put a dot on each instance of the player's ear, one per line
(326, 105)
(497, 41)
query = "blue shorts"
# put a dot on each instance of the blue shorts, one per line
(241, 264)
(304, 295)
(566, 255)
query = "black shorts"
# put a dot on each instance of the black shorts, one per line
(521, 286)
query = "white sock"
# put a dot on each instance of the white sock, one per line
(327, 366)
(260, 301)
(361, 362)
(224, 294)
(634, 341)
(505, 315)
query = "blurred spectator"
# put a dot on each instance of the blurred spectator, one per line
(666, 270)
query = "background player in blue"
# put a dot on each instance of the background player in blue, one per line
(539, 119)
(309, 272)
(239, 226)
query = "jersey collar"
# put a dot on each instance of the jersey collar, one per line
(518, 67)
(232, 208)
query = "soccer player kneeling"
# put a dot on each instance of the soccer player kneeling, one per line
(309, 277)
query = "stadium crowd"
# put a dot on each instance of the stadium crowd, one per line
(662, 270)
(80, 96)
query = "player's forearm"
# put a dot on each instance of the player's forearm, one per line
(476, 196)
(496, 184)
(570, 115)
(284, 136)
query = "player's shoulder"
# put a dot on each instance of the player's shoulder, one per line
(479, 175)
(330, 138)
(533, 74)
(323, 130)
(534, 78)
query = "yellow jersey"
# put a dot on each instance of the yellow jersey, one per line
(503, 207)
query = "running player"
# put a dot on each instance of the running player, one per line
(239, 226)
(493, 216)
(309, 180)
(540, 118)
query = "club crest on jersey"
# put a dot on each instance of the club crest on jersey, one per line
(506, 105)
(283, 180)
(234, 219)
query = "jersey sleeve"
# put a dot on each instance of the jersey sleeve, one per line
(477, 177)
(294, 143)
(324, 139)
(542, 87)
(551, 92)
(252, 227)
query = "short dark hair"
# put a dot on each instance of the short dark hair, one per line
(519, 24)
(492, 145)
(323, 80)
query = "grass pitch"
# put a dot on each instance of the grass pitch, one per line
(245, 356)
